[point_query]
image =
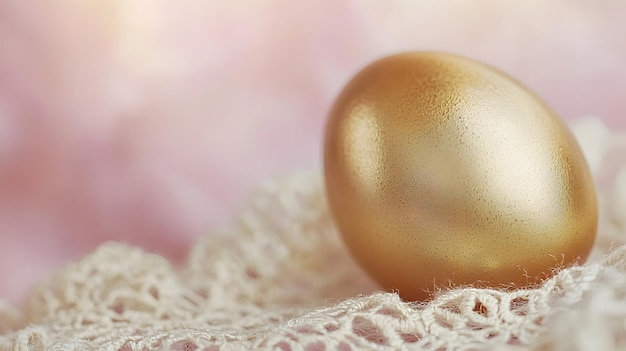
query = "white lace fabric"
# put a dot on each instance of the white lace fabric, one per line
(279, 278)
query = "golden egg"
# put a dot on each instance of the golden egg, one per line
(445, 172)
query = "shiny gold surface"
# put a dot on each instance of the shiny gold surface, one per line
(443, 171)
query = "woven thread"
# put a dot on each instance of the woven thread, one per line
(278, 278)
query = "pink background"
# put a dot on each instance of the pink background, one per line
(149, 121)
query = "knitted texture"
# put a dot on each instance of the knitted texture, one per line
(279, 278)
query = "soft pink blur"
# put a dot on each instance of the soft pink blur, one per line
(149, 121)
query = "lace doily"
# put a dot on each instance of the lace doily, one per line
(278, 278)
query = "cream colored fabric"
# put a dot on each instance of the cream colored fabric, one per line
(278, 278)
